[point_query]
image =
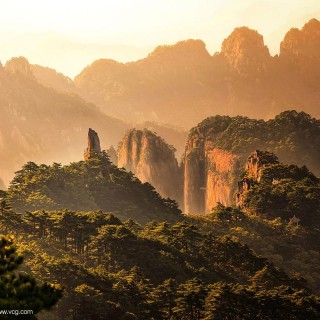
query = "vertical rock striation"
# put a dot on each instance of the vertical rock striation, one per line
(208, 175)
(93, 148)
(152, 160)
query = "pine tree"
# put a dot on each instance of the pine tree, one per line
(21, 292)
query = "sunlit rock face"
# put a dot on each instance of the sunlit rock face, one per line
(94, 147)
(152, 160)
(245, 51)
(217, 150)
(208, 176)
(302, 46)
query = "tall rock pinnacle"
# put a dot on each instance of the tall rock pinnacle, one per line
(93, 148)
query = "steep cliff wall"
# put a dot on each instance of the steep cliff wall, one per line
(245, 51)
(217, 150)
(221, 169)
(152, 160)
(209, 176)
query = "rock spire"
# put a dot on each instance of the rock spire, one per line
(93, 148)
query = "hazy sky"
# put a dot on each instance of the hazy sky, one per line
(70, 34)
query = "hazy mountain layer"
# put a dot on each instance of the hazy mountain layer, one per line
(182, 84)
(40, 124)
(152, 160)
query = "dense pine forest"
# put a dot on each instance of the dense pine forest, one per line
(113, 248)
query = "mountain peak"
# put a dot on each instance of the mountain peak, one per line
(19, 65)
(245, 51)
(311, 25)
(188, 48)
(302, 44)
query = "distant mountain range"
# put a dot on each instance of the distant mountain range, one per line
(182, 84)
(45, 115)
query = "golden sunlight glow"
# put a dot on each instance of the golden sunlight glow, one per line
(68, 35)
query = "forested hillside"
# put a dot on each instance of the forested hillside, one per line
(194, 267)
(95, 184)
(115, 270)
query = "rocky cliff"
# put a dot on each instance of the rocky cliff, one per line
(272, 189)
(252, 174)
(302, 47)
(94, 147)
(217, 150)
(19, 66)
(208, 174)
(152, 160)
(245, 52)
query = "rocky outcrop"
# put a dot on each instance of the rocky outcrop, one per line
(302, 46)
(255, 163)
(208, 176)
(112, 153)
(93, 148)
(300, 60)
(152, 160)
(245, 51)
(20, 66)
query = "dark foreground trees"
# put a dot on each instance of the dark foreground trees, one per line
(20, 291)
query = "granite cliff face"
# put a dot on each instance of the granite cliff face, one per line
(208, 175)
(94, 147)
(245, 52)
(217, 150)
(152, 160)
(302, 47)
(19, 66)
(256, 161)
